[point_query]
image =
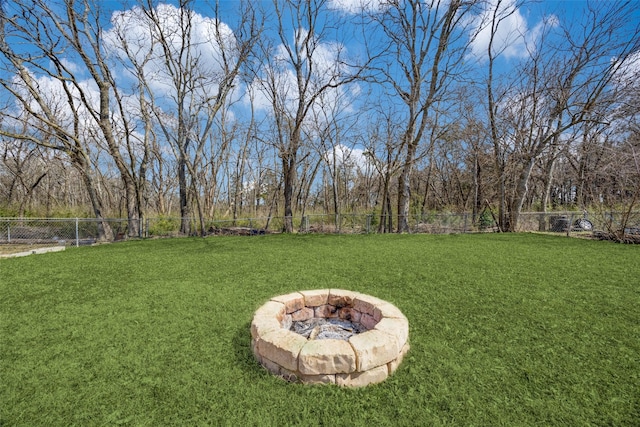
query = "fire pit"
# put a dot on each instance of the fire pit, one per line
(330, 336)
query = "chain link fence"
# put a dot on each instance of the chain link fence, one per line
(84, 231)
(59, 231)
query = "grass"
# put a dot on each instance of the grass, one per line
(506, 329)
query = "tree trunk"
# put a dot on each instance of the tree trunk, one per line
(105, 233)
(289, 172)
(520, 196)
(404, 189)
(184, 197)
(131, 200)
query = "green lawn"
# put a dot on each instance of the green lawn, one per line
(505, 329)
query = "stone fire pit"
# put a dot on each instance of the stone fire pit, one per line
(372, 340)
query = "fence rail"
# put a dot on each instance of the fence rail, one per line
(83, 231)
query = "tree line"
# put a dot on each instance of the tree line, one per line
(292, 107)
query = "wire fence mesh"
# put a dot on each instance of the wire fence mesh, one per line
(84, 231)
(61, 231)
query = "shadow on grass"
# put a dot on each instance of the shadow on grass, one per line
(242, 352)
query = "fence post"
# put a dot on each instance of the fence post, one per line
(368, 226)
(9, 232)
(569, 225)
(77, 235)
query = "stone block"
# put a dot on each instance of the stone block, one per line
(286, 322)
(293, 301)
(326, 357)
(303, 314)
(288, 375)
(361, 379)
(363, 306)
(260, 325)
(315, 298)
(271, 309)
(282, 347)
(270, 365)
(348, 313)
(374, 348)
(318, 379)
(341, 298)
(399, 328)
(327, 311)
(368, 321)
(393, 365)
(386, 309)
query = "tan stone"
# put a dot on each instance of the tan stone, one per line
(361, 379)
(288, 375)
(318, 379)
(286, 322)
(260, 325)
(368, 321)
(282, 347)
(370, 299)
(386, 309)
(326, 357)
(315, 298)
(399, 328)
(393, 365)
(270, 365)
(374, 348)
(303, 314)
(293, 301)
(327, 311)
(341, 298)
(271, 309)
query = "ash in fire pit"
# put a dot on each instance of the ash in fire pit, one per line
(323, 329)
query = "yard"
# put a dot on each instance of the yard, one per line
(505, 329)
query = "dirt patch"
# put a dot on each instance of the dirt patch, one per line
(10, 250)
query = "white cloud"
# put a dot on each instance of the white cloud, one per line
(53, 98)
(357, 6)
(627, 72)
(137, 30)
(512, 38)
(348, 158)
(70, 114)
(327, 68)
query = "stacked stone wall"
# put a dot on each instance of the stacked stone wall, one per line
(365, 358)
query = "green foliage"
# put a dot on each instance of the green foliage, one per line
(505, 329)
(8, 211)
(164, 226)
(485, 220)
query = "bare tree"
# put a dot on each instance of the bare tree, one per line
(62, 118)
(562, 85)
(23, 169)
(293, 75)
(425, 45)
(197, 60)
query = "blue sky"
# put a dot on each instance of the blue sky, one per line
(518, 32)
